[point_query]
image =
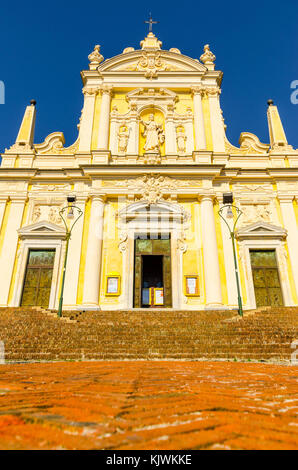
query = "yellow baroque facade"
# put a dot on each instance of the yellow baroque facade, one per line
(149, 170)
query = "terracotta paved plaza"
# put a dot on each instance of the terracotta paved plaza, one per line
(148, 405)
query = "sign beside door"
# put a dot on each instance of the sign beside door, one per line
(192, 285)
(113, 285)
(153, 296)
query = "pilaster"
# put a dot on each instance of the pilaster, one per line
(74, 257)
(170, 141)
(9, 247)
(229, 261)
(217, 124)
(288, 215)
(94, 251)
(200, 138)
(86, 124)
(3, 202)
(133, 139)
(104, 119)
(210, 253)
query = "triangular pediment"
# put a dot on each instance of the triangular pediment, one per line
(167, 61)
(42, 228)
(261, 230)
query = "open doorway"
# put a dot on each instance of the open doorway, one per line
(152, 276)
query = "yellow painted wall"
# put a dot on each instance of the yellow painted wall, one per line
(295, 205)
(120, 101)
(184, 101)
(94, 139)
(111, 255)
(289, 266)
(13, 278)
(4, 223)
(192, 263)
(241, 276)
(25, 129)
(207, 122)
(221, 260)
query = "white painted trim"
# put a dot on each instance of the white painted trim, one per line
(167, 219)
(44, 244)
(261, 244)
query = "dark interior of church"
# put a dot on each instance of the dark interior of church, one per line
(152, 271)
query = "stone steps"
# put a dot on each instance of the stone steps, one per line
(36, 334)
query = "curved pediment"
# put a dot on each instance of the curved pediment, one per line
(141, 60)
(157, 210)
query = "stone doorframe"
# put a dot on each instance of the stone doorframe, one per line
(44, 236)
(141, 218)
(264, 236)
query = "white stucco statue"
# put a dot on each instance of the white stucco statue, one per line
(123, 135)
(154, 135)
(181, 139)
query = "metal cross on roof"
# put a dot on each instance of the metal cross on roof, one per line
(151, 22)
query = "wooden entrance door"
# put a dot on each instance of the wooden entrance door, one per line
(266, 278)
(158, 247)
(38, 278)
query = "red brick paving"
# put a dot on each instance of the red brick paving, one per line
(148, 405)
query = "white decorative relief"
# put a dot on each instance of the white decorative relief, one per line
(46, 212)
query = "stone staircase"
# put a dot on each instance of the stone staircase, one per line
(34, 334)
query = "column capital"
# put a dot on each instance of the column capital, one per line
(212, 91)
(18, 198)
(90, 91)
(207, 197)
(97, 197)
(196, 90)
(285, 197)
(80, 199)
(106, 90)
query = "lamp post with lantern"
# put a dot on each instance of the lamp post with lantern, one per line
(70, 215)
(228, 208)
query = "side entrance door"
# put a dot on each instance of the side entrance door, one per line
(38, 278)
(266, 278)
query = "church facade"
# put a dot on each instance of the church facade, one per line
(148, 171)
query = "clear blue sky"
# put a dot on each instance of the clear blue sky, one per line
(44, 45)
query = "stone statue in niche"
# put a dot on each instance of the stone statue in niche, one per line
(154, 135)
(123, 135)
(181, 139)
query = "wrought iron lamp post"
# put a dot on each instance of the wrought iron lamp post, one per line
(70, 215)
(228, 206)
